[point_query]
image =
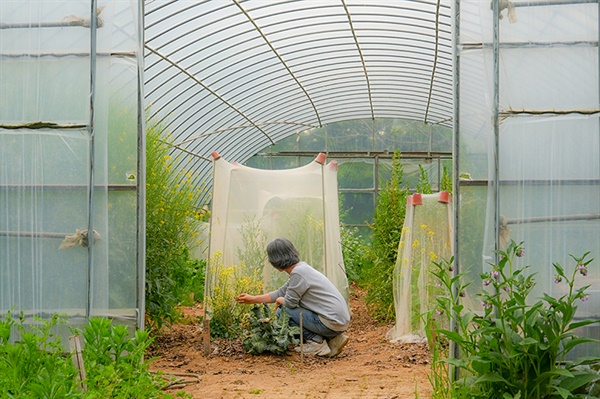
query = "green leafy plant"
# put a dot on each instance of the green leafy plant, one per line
(515, 347)
(439, 376)
(423, 186)
(269, 333)
(190, 281)
(173, 223)
(446, 183)
(387, 229)
(114, 362)
(35, 365)
(355, 253)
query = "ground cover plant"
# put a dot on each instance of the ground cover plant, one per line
(515, 347)
(35, 365)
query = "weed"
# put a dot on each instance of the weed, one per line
(292, 368)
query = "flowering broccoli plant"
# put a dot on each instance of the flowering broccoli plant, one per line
(515, 347)
(269, 333)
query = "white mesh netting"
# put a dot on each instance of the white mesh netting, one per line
(426, 238)
(250, 207)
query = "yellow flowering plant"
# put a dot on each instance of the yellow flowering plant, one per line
(227, 318)
(173, 224)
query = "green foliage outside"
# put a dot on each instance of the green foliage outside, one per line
(380, 134)
(269, 333)
(34, 366)
(387, 228)
(515, 348)
(173, 223)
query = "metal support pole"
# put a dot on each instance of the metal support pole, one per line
(496, 126)
(91, 148)
(453, 349)
(141, 176)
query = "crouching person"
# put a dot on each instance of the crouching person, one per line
(325, 315)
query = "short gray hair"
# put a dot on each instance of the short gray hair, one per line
(282, 253)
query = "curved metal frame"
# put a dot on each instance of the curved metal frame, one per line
(236, 77)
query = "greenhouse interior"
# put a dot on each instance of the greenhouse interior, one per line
(301, 111)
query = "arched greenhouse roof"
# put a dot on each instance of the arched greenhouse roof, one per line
(237, 76)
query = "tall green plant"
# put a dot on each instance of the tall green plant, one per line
(173, 221)
(423, 187)
(387, 228)
(252, 252)
(446, 183)
(516, 348)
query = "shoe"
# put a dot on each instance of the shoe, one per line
(314, 348)
(336, 344)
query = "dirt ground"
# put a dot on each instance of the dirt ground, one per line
(369, 366)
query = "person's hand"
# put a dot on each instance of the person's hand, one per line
(279, 302)
(244, 298)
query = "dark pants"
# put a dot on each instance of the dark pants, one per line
(312, 327)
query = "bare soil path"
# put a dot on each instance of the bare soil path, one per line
(369, 366)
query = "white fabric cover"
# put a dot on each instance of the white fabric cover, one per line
(426, 238)
(250, 207)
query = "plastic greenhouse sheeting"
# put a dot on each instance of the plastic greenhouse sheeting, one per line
(239, 76)
(69, 138)
(426, 238)
(528, 135)
(253, 206)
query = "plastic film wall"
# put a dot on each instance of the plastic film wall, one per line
(70, 142)
(528, 144)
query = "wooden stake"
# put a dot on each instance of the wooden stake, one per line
(206, 336)
(301, 342)
(77, 356)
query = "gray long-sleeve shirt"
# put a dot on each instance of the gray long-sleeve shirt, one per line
(310, 289)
